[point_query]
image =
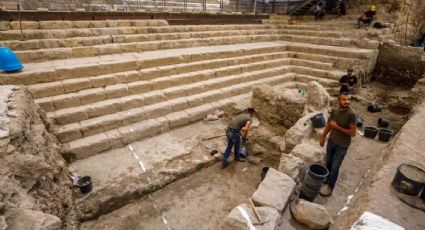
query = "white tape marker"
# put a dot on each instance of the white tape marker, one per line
(246, 217)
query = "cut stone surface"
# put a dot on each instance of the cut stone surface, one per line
(309, 152)
(303, 129)
(318, 98)
(275, 190)
(313, 215)
(242, 216)
(292, 166)
(278, 106)
(33, 220)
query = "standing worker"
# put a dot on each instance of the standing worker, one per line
(342, 126)
(341, 8)
(348, 81)
(239, 125)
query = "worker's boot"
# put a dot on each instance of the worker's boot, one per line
(240, 159)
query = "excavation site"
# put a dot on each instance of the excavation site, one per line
(212, 114)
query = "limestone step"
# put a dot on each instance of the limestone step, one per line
(109, 86)
(338, 62)
(115, 48)
(35, 44)
(70, 132)
(61, 25)
(89, 32)
(162, 119)
(89, 119)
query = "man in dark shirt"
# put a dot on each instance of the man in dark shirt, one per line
(347, 82)
(239, 125)
(341, 8)
(367, 17)
(341, 126)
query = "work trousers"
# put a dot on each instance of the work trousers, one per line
(233, 139)
(334, 156)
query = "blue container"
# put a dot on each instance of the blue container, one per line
(9, 62)
(318, 120)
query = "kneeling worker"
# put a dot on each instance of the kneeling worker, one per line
(367, 17)
(239, 125)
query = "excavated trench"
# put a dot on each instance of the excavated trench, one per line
(204, 198)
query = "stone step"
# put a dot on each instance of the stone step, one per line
(129, 38)
(114, 119)
(115, 48)
(115, 138)
(95, 32)
(62, 25)
(109, 86)
(51, 71)
(88, 32)
(338, 62)
(109, 106)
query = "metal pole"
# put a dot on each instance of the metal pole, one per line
(255, 5)
(20, 21)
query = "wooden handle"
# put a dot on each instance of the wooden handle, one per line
(255, 211)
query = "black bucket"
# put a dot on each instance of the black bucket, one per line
(383, 123)
(318, 120)
(264, 172)
(315, 177)
(385, 135)
(359, 121)
(85, 184)
(423, 195)
(374, 108)
(409, 180)
(370, 132)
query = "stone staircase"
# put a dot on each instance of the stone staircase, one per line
(106, 85)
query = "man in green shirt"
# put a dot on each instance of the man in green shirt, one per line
(239, 125)
(342, 126)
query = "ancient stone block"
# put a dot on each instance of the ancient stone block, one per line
(292, 166)
(88, 146)
(274, 191)
(33, 220)
(302, 129)
(318, 98)
(313, 215)
(26, 25)
(177, 119)
(55, 24)
(309, 152)
(278, 106)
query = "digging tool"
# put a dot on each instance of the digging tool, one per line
(255, 211)
(212, 137)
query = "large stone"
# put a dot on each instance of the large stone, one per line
(4, 26)
(309, 152)
(313, 215)
(274, 191)
(301, 130)
(278, 106)
(32, 220)
(318, 98)
(292, 166)
(236, 221)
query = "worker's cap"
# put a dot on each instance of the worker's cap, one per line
(373, 8)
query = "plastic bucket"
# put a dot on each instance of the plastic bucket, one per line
(370, 132)
(374, 108)
(385, 135)
(264, 172)
(409, 180)
(85, 184)
(359, 121)
(383, 123)
(315, 177)
(318, 120)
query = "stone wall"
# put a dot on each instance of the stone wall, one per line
(35, 189)
(399, 65)
(410, 22)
